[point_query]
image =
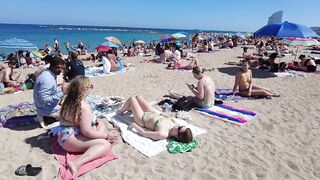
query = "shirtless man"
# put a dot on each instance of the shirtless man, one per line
(307, 65)
(204, 92)
(7, 75)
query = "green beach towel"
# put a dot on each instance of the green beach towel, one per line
(175, 147)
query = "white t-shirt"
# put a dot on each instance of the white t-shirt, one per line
(106, 65)
(177, 54)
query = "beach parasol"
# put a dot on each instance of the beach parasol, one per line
(114, 40)
(179, 35)
(166, 38)
(286, 29)
(110, 44)
(240, 35)
(103, 48)
(17, 44)
(139, 42)
(300, 42)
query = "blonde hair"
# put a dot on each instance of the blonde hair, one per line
(71, 108)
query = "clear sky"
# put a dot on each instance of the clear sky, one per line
(236, 15)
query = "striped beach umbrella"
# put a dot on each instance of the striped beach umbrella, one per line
(110, 44)
(139, 42)
(300, 41)
(114, 40)
(166, 38)
(17, 44)
(179, 35)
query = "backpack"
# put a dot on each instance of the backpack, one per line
(183, 104)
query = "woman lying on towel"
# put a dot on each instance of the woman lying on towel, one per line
(159, 126)
(80, 131)
(178, 65)
(307, 65)
(243, 80)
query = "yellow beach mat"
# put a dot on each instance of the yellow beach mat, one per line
(39, 53)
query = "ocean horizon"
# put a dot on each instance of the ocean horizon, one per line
(91, 36)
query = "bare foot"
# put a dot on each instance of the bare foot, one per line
(73, 168)
(120, 112)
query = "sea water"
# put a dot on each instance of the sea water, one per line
(91, 36)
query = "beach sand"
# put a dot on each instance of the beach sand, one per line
(282, 142)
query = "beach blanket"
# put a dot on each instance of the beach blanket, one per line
(290, 73)
(226, 95)
(229, 113)
(144, 145)
(98, 72)
(63, 156)
(25, 110)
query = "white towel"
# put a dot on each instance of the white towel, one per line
(144, 145)
(98, 72)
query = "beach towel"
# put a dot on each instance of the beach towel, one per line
(290, 73)
(63, 156)
(145, 145)
(25, 110)
(229, 113)
(175, 147)
(226, 95)
(98, 71)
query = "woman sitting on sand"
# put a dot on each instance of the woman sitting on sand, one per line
(80, 131)
(159, 126)
(243, 80)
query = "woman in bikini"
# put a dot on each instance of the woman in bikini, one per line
(243, 80)
(159, 126)
(80, 132)
(178, 65)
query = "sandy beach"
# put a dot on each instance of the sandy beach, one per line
(282, 142)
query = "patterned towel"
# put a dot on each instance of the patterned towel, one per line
(229, 113)
(24, 109)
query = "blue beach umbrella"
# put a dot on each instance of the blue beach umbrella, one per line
(110, 44)
(286, 29)
(17, 44)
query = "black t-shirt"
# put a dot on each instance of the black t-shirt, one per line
(76, 68)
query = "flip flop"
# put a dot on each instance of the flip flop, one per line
(28, 170)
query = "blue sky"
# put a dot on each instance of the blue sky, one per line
(237, 15)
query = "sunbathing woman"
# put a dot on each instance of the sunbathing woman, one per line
(306, 64)
(243, 80)
(159, 126)
(177, 65)
(80, 131)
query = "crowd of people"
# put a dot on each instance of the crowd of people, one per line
(60, 89)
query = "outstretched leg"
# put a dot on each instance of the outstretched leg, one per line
(174, 95)
(265, 89)
(145, 105)
(92, 148)
(192, 64)
(133, 105)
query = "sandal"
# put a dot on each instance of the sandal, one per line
(28, 170)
